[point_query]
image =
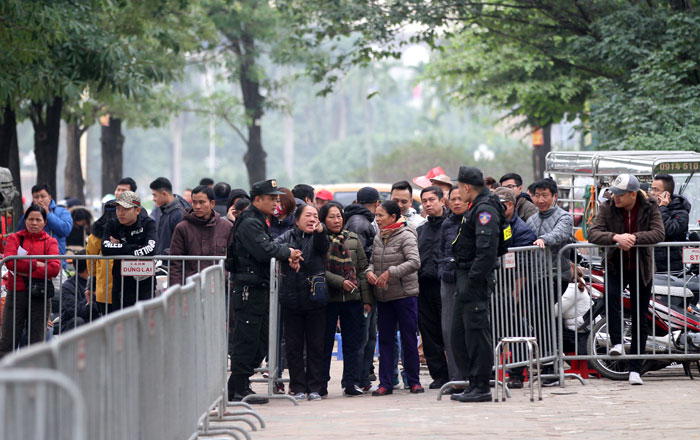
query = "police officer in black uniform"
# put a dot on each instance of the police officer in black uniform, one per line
(250, 252)
(476, 254)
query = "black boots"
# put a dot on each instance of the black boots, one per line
(239, 388)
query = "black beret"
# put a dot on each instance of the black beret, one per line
(470, 176)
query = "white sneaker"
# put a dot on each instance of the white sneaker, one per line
(635, 379)
(300, 396)
(314, 396)
(617, 350)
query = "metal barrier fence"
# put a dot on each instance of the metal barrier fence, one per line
(671, 315)
(29, 404)
(154, 370)
(69, 307)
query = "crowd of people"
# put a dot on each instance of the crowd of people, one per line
(373, 268)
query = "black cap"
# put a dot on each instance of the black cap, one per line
(470, 176)
(265, 187)
(367, 195)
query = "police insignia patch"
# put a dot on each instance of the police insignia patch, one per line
(484, 218)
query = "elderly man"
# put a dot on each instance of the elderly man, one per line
(630, 218)
(522, 234)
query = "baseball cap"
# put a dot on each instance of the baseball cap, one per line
(624, 183)
(367, 195)
(324, 194)
(129, 199)
(266, 187)
(505, 194)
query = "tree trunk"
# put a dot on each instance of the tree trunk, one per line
(539, 152)
(46, 119)
(9, 158)
(112, 154)
(255, 157)
(73, 173)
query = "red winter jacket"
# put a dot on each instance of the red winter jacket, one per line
(34, 244)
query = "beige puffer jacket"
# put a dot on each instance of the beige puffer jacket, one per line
(399, 254)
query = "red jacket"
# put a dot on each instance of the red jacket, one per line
(34, 244)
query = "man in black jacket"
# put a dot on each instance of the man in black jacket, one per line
(134, 235)
(429, 302)
(675, 213)
(252, 249)
(359, 217)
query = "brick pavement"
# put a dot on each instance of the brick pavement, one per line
(662, 408)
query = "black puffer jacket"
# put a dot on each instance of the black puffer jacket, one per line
(429, 247)
(675, 217)
(446, 262)
(295, 288)
(359, 220)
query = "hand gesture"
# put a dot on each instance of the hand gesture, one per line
(319, 227)
(664, 198)
(372, 278)
(539, 242)
(348, 286)
(383, 280)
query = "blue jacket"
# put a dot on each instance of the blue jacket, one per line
(448, 233)
(522, 234)
(59, 223)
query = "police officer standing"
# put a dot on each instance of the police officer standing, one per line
(476, 252)
(251, 251)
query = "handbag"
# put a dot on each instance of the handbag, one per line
(40, 289)
(318, 288)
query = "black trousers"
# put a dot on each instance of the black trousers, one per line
(430, 327)
(305, 328)
(640, 294)
(248, 348)
(16, 315)
(351, 320)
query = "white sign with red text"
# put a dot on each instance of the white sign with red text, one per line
(509, 260)
(691, 255)
(138, 268)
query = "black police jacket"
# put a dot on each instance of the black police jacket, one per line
(254, 248)
(429, 248)
(476, 248)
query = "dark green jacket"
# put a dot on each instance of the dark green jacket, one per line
(359, 259)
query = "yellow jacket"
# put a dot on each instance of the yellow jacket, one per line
(99, 269)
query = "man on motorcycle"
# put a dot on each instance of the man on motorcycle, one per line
(630, 218)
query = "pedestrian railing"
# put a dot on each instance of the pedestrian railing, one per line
(154, 370)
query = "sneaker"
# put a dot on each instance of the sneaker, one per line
(300, 396)
(367, 388)
(279, 388)
(417, 389)
(314, 396)
(515, 382)
(635, 378)
(617, 350)
(381, 391)
(353, 391)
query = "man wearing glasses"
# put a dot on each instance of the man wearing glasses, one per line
(523, 203)
(675, 212)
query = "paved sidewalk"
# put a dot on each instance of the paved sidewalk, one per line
(665, 407)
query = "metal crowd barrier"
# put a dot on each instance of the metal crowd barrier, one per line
(38, 404)
(522, 306)
(155, 370)
(673, 317)
(52, 309)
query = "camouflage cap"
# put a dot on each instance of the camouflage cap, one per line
(129, 199)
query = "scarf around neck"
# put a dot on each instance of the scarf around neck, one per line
(339, 261)
(386, 232)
